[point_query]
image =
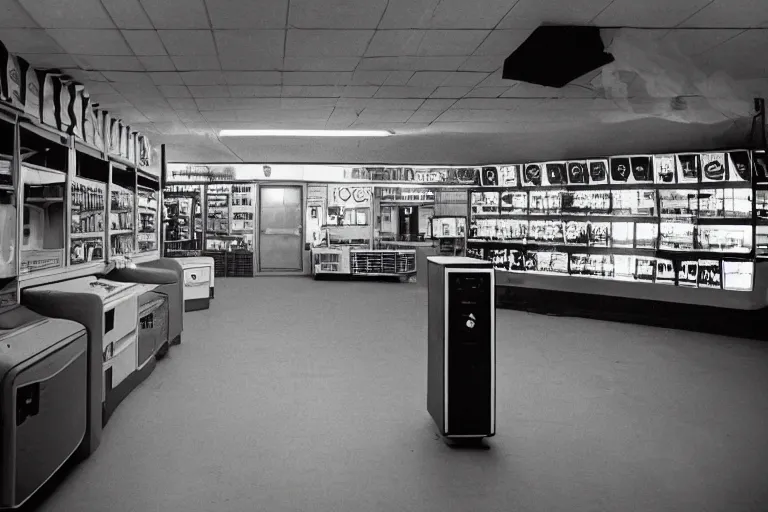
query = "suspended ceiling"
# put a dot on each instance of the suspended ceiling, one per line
(429, 70)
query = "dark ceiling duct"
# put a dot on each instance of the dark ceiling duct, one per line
(555, 55)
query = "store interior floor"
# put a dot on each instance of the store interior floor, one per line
(296, 395)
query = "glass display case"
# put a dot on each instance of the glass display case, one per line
(122, 216)
(147, 219)
(183, 219)
(230, 213)
(8, 217)
(694, 220)
(42, 240)
(87, 221)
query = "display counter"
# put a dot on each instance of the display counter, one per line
(43, 391)
(670, 230)
(198, 282)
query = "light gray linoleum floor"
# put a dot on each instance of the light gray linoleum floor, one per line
(295, 395)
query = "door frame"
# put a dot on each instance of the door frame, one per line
(302, 186)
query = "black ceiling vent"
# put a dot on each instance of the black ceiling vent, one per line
(555, 55)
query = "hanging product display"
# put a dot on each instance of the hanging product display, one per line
(650, 218)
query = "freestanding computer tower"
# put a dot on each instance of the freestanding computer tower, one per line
(43, 396)
(461, 383)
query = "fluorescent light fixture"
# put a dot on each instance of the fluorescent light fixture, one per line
(304, 133)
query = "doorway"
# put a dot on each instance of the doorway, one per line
(280, 227)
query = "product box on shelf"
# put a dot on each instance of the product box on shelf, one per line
(10, 79)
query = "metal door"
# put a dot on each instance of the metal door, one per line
(280, 227)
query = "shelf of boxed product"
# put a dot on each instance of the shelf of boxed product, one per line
(684, 220)
(87, 221)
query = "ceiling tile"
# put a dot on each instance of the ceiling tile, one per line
(379, 64)
(84, 76)
(340, 14)
(68, 14)
(255, 91)
(403, 92)
(327, 43)
(190, 116)
(730, 13)
(182, 103)
(167, 78)
(694, 42)
(525, 90)
(450, 92)
(395, 43)
(385, 116)
(224, 104)
(309, 91)
(486, 92)
(399, 78)
(342, 118)
(91, 42)
(13, 16)
(316, 78)
(247, 63)
(496, 80)
(247, 14)
(428, 78)
(253, 77)
(405, 14)
(108, 63)
(157, 63)
(27, 40)
(112, 101)
(359, 91)
(135, 90)
(176, 14)
(529, 14)
(463, 79)
(128, 77)
(198, 63)
(175, 91)
(144, 42)
(320, 63)
(99, 88)
(381, 103)
(321, 107)
(436, 104)
(430, 63)
(132, 115)
(424, 117)
(370, 78)
(188, 43)
(486, 64)
(737, 56)
(127, 14)
(55, 60)
(159, 116)
(203, 78)
(486, 104)
(648, 13)
(460, 14)
(209, 91)
(451, 42)
(502, 42)
(250, 49)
